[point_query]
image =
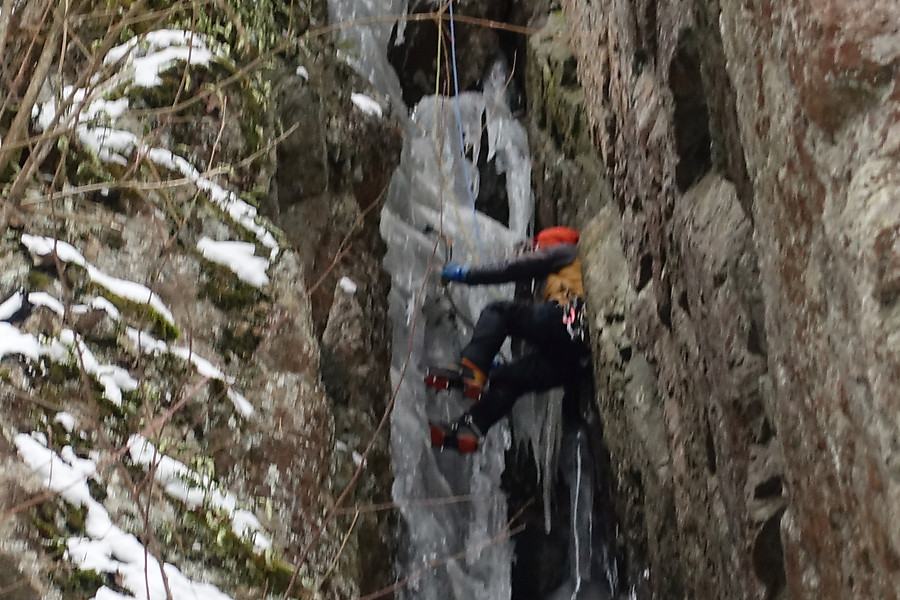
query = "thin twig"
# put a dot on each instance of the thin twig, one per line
(340, 551)
(25, 62)
(135, 185)
(5, 18)
(212, 154)
(342, 249)
(37, 157)
(19, 125)
(148, 532)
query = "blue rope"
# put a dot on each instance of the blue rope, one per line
(462, 147)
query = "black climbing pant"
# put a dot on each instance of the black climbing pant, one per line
(554, 359)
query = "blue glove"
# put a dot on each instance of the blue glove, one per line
(454, 272)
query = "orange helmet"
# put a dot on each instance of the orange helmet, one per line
(556, 235)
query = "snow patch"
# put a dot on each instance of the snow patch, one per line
(237, 209)
(151, 345)
(9, 306)
(106, 548)
(66, 420)
(42, 246)
(237, 256)
(99, 303)
(70, 349)
(348, 285)
(197, 490)
(113, 378)
(45, 299)
(147, 56)
(366, 104)
(144, 58)
(241, 403)
(13, 341)
(130, 290)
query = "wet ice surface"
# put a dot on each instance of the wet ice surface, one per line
(455, 514)
(458, 547)
(454, 534)
(448, 547)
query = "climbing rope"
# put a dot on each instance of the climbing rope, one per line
(476, 250)
(462, 146)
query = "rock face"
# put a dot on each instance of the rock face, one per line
(747, 323)
(329, 186)
(735, 170)
(270, 392)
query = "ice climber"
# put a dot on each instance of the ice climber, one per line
(558, 353)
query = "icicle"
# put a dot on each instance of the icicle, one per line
(537, 422)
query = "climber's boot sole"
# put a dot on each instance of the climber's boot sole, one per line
(442, 436)
(448, 379)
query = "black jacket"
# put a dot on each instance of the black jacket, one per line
(557, 267)
(537, 264)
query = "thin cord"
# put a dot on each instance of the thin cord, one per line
(462, 147)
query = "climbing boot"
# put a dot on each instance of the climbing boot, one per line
(463, 436)
(466, 377)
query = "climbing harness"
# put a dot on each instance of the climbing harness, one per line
(573, 319)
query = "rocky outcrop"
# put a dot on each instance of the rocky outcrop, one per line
(734, 169)
(746, 325)
(570, 184)
(261, 383)
(329, 187)
(821, 131)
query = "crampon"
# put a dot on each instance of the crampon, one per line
(461, 439)
(451, 379)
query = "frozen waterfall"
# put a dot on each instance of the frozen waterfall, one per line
(456, 530)
(452, 505)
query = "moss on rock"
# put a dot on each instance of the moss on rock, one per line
(139, 313)
(55, 521)
(221, 287)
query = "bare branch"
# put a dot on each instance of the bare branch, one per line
(5, 18)
(19, 125)
(340, 551)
